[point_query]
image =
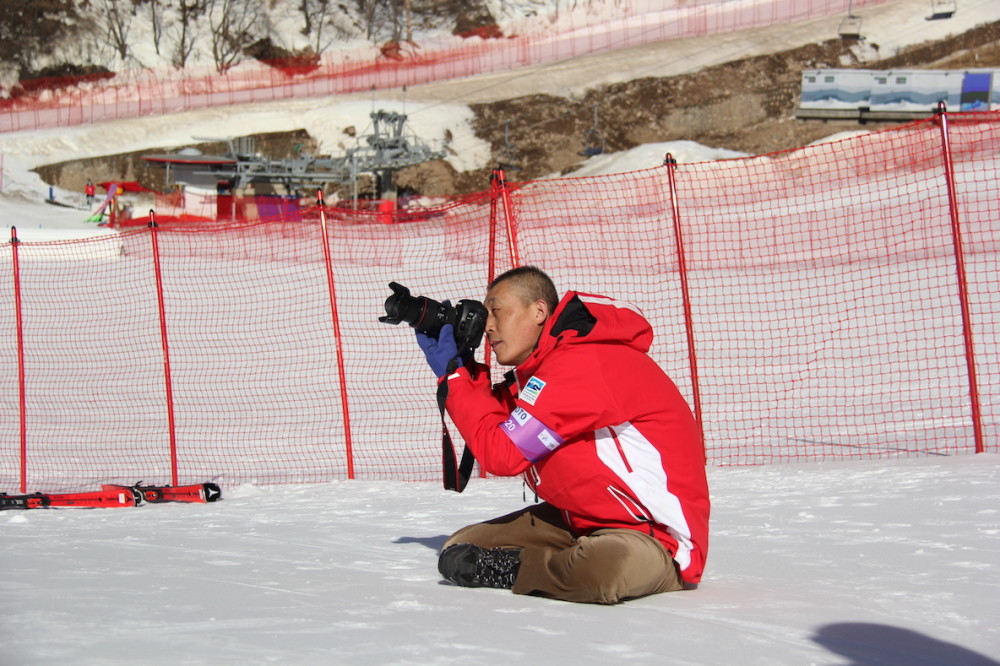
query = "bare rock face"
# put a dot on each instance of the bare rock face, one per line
(472, 18)
(432, 179)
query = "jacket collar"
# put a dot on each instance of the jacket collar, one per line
(583, 319)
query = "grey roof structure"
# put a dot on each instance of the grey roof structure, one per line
(388, 148)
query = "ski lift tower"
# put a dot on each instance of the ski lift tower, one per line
(390, 148)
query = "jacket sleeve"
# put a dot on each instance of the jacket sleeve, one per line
(478, 412)
(570, 393)
(566, 398)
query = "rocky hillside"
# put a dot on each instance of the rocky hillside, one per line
(746, 105)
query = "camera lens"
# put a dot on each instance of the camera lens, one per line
(428, 316)
(396, 304)
(420, 312)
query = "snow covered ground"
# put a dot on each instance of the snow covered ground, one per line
(876, 562)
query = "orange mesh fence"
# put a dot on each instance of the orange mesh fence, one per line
(65, 101)
(838, 301)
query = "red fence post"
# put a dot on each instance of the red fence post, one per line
(167, 376)
(496, 177)
(496, 185)
(348, 442)
(21, 392)
(941, 116)
(671, 165)
(508, 216)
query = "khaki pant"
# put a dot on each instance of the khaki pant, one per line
(606, 567)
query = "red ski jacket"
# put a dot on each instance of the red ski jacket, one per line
(597, 429)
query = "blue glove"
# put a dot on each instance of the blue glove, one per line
(441, 351)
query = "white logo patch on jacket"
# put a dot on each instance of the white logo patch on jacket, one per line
(532, 389)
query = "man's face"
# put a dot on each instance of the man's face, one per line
(513, 327)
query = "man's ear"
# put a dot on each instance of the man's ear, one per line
(541, 309)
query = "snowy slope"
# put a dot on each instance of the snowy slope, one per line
(876, 562)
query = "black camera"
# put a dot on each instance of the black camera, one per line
(468, 318)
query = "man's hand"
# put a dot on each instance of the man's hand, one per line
(440, 352)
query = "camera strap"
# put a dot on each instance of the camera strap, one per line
(456, 476)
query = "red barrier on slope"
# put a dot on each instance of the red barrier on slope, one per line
(823, 308)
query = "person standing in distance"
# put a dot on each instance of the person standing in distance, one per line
(600, 434)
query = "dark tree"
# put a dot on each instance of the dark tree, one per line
(235, 24)
(30, 29)
(189, 13)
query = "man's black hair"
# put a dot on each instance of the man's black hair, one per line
(532, 284)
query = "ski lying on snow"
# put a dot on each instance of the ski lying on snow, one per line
(108, 497)
(197, 492)
(115, 496)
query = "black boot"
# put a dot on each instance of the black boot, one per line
(471, 566)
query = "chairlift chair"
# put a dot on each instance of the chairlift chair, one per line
(593, 140)
(850, 27)
(942, 9)
(508, 152)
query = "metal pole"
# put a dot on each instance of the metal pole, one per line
(337, 337)
(491, 271)
(508, 215)
(21, 391)
(941, 116)
(671, 165)
(167, 375)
